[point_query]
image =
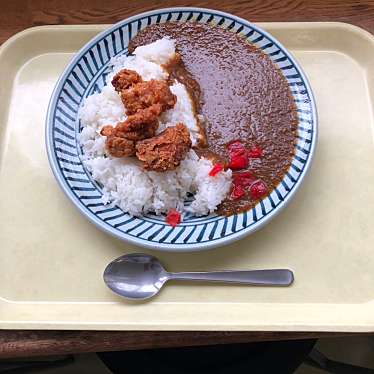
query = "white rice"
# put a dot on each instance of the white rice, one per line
(125, 183)
(159, 52)
(146, 69)
(182, 112)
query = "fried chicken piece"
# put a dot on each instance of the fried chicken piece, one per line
(120, 143)
(145, 94)
(107, 130)
(125, 78)
(139, 126)
(119, 147)
(166, 150)
(141, 119)
(148, 131)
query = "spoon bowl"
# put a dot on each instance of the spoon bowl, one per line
(141, 276)
(135, 276)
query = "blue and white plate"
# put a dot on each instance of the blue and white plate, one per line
(85, 75)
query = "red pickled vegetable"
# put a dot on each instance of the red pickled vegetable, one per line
(258, 190)
(235, 147)
(255, 152)
(217, 168)
(173, 218)
(244, 179)
(238, 160)
(238, 155)
(237, 192)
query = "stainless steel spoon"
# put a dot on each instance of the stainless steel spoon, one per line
(141, 276)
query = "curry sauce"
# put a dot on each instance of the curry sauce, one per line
(240, 93)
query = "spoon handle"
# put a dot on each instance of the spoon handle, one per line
(273, 277)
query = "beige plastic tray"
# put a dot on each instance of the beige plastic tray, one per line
(52, 259)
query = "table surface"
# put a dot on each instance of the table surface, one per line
(18, 15)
